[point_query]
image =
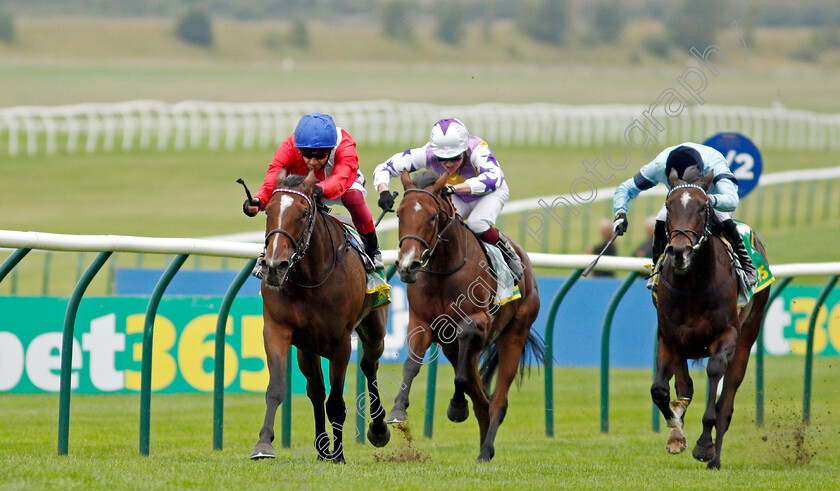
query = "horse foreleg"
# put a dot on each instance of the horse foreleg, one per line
(726, 402)
(372, 343)
(310, 366)
(722, 352)
(277, 341)
(336, 409)
(667, 363)
(510, 352)
(418, 341)
(685, 391)
(469, 346)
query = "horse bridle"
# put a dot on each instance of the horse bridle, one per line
(430, 249)
(698, 239)
(302, 244)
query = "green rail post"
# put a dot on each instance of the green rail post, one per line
(809, 351)
(45, 285)
(148, 334)
(586, 226)
(655, 419)
(428, 423)
(219, 368)
(12, 261)
(549, 349)
(759, 209)
(67, 350)
(605, 350)
(828, 196)
(759, 355)
(564, 230)
(361, 397)
(777, 203)
(286, 410)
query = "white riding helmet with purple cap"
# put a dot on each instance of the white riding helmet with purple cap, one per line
(449, 138)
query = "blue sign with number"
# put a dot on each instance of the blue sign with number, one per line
(743, 157)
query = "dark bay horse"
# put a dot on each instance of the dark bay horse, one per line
(698, 318)
(313, 298)
(450, 290)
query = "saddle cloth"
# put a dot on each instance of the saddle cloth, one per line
(506, 290)
(377, 285)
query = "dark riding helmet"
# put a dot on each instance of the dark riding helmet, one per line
(681, 158)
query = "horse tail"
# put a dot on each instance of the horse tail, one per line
(533, 353)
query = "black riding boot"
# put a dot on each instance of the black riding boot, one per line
(511, 258)
(730, 233)
(372, 250)
(660, 241)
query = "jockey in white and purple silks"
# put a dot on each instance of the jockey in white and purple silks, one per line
(476, 182)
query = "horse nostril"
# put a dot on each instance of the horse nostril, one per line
(284, 265)
(414, 266)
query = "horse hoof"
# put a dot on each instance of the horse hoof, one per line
(457, 411)
(396, 416)
(713, 465)
(676, 442)
(486, 455)
(378, 440)
(263, 451)
(703, 454)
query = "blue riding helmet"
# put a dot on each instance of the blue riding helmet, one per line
(681, 158)
(315, 130)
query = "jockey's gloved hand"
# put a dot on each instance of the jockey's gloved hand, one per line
(317, 192)
(447, 190)
(620, 223)
(386, 200)
(251, 206)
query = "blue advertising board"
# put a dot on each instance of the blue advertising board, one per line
(743, 157)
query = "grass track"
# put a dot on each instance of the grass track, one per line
(104, 430)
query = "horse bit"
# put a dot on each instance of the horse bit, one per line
(671, 234)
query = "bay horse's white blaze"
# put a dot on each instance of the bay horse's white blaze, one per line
(685, 198)
(407, 259)
(417, 207)
(285, 202)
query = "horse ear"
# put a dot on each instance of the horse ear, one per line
(406, 181)
(707, 180)
(281, 177)
(307, 184)
(673, 179)
(440, 182)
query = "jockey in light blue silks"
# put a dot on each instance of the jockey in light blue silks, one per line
(476, 182)
(723, 196)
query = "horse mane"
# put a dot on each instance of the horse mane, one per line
(293, 181)
(425, 178)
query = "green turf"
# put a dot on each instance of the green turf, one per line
(103, 446)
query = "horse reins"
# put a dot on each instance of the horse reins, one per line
(302, 245)
(430, 249)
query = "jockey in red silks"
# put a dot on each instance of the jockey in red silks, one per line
(318, 145)
(476, 182)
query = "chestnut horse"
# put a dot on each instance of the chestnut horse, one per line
(450, 291)
(314, 298)
(698, 317)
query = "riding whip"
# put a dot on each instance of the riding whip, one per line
(247, 192)
(381, 215)
(592, 265)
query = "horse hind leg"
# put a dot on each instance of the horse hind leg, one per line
(510, 354)
(660, 393)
